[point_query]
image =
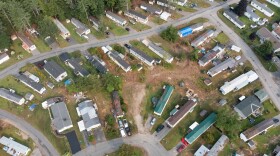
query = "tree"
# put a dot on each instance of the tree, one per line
(228, 122)
(119, 48)
(253, 36)
(112, 82)
(265, 50)
(240, 9)
(110, 120)
(47, 28)
(110, 4)
(194, 55)
(32, 6)
(169, 34)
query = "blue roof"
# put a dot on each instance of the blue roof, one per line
(185, 30)
(32, 107)
(67, 82)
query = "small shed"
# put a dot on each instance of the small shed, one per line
(29, 96)
(165, 15)
(50, 85)
(235, 48)
(251, 144)
(207, 81)
(32, 107)
(262, 95)
(222, 102)
(203, 113)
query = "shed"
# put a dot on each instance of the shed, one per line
(165, 15)
(29, 96)
(203, 113)
(50, 85)
(222, 102)
(262, 95)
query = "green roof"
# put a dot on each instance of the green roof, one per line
(163, 100)
(201, 128)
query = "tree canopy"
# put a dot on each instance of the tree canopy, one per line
(265, 50)
(240, 9)
(170, 34)
(47, 28)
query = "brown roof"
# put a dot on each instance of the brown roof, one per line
(259, 128)
(265, 34)
(25, 39)
(117, 104)
(277, 30)
(183, 111)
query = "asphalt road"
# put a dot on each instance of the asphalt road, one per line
(46, 148)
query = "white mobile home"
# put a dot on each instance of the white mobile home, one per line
(117, 19)
(63, 31)
(262, 8)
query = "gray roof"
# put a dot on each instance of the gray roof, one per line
(117, 58)
(3, 55)
(94, 21)
(30, 83)
(229, 63)
(78, 68)
(81, 28)
(248, 106)
(164, 54)
(141, 54)
(151, 8)
(202, 37)
(115, 16)
(99, 64)
(133, 12)
(218, 146)
(24, 39)
(64, 56)
(6, 94)
(250, 11)
(88, 113)
(60, 115)
(262, 95)
(265, 34)
(263, 6)
(234, 17)
(54, 69)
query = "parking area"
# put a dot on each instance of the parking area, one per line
(160, 135)
(99, 135)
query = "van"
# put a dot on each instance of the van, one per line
(123, 134)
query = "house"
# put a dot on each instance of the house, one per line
(137, 16)
(14, 148)
(141, 56)
(274, 2)
(250, 13)
(165, 15)
(257, 129)
(115, 56)
(117, 19)
(175, 118)
(89, 115)
(63, 31)
(216, 52)
(202, 38)
(239, 82)
(159, 51)
(264, 34)
(262, 8)
(276, 151)
(202, 151)
(74, 64)
(235, 48)
(151, 9)
(201, 128)
(95, 22)
(227, 64)
(31, 76)
(64, 57)
(276, 32)
(99, 64)
(81, 29)
(11, 96)
(4, 57)
(49, 102)
(165, 3)
(29, 96)
(60, 117)
(190, 29)
(234, 19)
(162, 102)
(38, 87)
(218, 146)
(55, 71)
(117, 104)
(180, 2)
(26, 43)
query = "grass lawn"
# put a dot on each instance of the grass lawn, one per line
(139, 45)
(128, 150)
(222, 38)
(40, 44)
(61, 42)
(19, 55)
(157, 20)
(139, 26)
(186, 8)
(8, 130)
(244, 34)
(71, 28)
(114, 28)
(175, 15)
(98, 34)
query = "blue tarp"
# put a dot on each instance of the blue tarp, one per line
(67, 82)
(32, 107)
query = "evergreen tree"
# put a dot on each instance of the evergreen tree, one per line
(240, 9)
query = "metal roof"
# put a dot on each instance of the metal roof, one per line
(133, 12)
(259, 128)
(3, 55)
(61, 118)
(89, 114)
(201, 38)
(53, 69)
(263, 6)
(158, 50)
(38, 87)
(115, 16)
(61, 27)
(163, 99)
(262, 95)
(14, 148)
(150, 8)
(141, 55)
(234, 17)
(6, 94)
(229, 63)
(250, 11)
(201, 128)
(218, 146)
(25, 39)
(119, 60)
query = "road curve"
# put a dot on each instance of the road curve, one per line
(46, 148)
(145, 141)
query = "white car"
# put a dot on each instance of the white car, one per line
(153, 121)
(238, 57)
(123, 134)
(120, 123)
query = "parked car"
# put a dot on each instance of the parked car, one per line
(120, 123)
(123, 134)
(107, 33)
(276, 120)
(181, 148)
(127, 46)
(251, 120)
(125, 123)
(127, 29)
(159, 128)
(128, 131)
(153, 120)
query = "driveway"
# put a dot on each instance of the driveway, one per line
(99, 135)
(159, 136)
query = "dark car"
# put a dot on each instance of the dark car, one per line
(107, 33)
(127, 130)
(127, 29)
(181, 148)
(159, 128)
(251, 120)
(68, 39)
(275, 120)
(127, 46)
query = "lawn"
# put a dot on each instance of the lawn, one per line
(72, 29)
(244, 34)
(19, 55)
(128, 150)
(139, 26)
(40, 44)
(157, 20)
(139, 45)
(195, 21)
(186, 8)
(98, 34)
(114, 28)
(222, 38)
(8, 130)
(61, 42)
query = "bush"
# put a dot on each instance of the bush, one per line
(170, 34)
(110, 120)
(119, 49)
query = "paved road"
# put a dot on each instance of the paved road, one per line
(40, 140)
(147, 142)
(265, 77)
(136, 35)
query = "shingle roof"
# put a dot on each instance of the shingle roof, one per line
(99, 64)
(34, 85)
(64, 57)
(78, 68)
(201, 128)
(118, 18)
(151, 8)
(263, 6)
(137, 14)
(229, 63)
(117, 58)
(61, 117)
(163, 99)
(141, 54)
(4, 93)
(88, 113)
(53, 68)
(264, 33)
(234, 17)
(248, 106)
(24, 39)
